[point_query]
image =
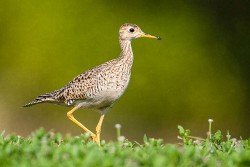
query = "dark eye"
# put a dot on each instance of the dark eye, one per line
(131, 30)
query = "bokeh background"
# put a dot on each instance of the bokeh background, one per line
(199, 70)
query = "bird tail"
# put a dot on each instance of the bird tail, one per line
(45, 98)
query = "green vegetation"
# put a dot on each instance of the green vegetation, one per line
(43, 148)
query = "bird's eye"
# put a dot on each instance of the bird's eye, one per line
(131, 30)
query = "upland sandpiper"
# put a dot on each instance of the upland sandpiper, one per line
(99, 87)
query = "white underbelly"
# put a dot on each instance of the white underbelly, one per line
(102, 100)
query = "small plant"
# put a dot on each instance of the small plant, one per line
(118, 132)
(210, 129)
(188, 139)
(121, 139)
(214, 141)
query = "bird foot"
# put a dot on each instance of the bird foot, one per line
(96, 139)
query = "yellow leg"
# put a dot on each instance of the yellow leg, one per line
(71, 117)
(98, 130)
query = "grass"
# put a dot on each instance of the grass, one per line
(43, 148)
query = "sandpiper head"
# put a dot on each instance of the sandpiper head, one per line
(131, 31)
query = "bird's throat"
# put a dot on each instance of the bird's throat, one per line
(127, 53)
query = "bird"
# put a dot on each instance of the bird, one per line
(99, 87)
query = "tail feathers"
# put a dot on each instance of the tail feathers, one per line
(48, 97)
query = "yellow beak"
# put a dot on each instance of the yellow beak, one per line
(149, 36)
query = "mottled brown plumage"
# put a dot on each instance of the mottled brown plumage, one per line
(99, 87)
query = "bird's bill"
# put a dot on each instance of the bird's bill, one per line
(149, 36)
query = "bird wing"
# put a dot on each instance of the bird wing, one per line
(86, 85)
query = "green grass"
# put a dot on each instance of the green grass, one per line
(50, 149)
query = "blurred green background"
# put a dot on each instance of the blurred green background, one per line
(199, 70)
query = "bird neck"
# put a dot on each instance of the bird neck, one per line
(127, 53)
